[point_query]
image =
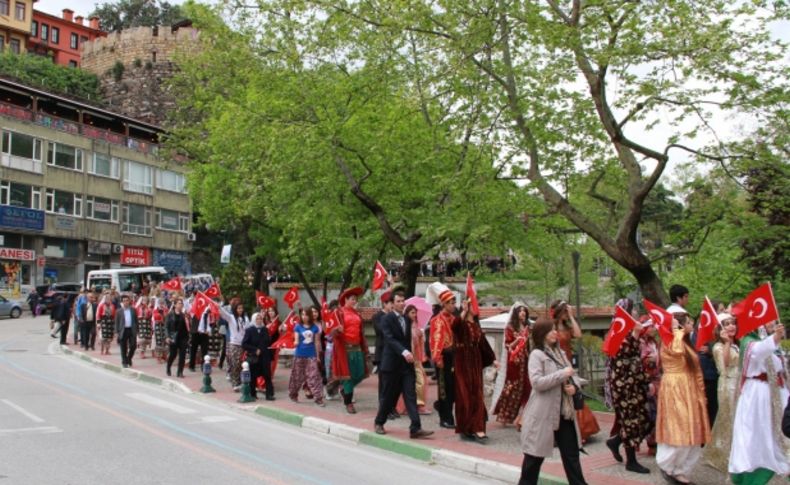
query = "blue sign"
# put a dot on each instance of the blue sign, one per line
(21, 218)
(173, 261)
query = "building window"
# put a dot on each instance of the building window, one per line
(34, 29)
(20, 11)
(172, 220)
(138, 178)
(169, 180)
(2, 43)
(44, 31)
(20, 195)
(64, 203)
(4, 7)
(55, 37)
(136, 219)
(64, 156)
(73, 64)
(74, 41)
(101, 209)
(104, 165)
(15, 46)
(24, 146)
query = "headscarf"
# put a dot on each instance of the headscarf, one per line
(501, 375)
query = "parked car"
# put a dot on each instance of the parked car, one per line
(67, 290)
(10, 308)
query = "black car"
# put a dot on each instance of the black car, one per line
(67, 290)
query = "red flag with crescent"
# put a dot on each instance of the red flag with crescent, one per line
(379, 276)
(286, 340)
(213, 291)
(708, 320)
(622, 324)
(471, 294)
(291, 297)
(264, 301)
(662, 319)
(201, 302)
(757, 309)
(173, 284)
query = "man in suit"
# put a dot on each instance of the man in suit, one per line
(126, 330)
(386, 307)
(88, 322)
(397, 368)
(256, 342)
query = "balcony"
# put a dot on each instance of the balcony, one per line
(21, 163)
(74, 128)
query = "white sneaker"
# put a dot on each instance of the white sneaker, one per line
(236, 388)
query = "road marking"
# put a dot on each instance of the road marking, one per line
(36, 430)
(22, 410)
(214, 419)
(146, 398)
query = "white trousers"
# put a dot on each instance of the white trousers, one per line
(677, 460)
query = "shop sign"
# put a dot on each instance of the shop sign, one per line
(21, 218)
(135, 256)
(17, 254)
(97, 247)
(41, 261)
(173, 261)
(65, 223)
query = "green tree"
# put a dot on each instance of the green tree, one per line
(126, 14)
(42, 73)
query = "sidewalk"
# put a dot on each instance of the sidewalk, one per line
(500, 458)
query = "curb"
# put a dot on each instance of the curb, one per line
(450, 459)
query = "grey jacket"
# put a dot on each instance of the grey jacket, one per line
(120, 321)
(542, 412)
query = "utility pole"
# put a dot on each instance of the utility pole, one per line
(579, 348)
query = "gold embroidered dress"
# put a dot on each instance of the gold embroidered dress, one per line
(718, 453)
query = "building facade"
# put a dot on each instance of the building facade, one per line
(61, 37)
(82, 188)
(15, 24)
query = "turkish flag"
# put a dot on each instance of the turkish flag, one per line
(291, 297)
(707, 324)
(172, 285)
(379, 276)
(201, 303)
(263, 300)
(622, 324)
(471, 294)
(213, 291)
(662, 319)
(757, 309)
(286, 340)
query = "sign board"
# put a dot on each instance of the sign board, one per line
(173, 261)
(225, 256)
(17, 254)
(136, 256)
(41, 261)
(65, 223)
(21, 218)
(98, 247)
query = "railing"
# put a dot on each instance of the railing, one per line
(137, 229)
(74, 128)
(21, 163)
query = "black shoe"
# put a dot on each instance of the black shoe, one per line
(125, 365)
(445, 424)
(393, 415)
(420, 434)
(168, 372)
(669, 478)
(379, 429)
(180, 374)
(270, 398)
(613, 444)
(631, 464)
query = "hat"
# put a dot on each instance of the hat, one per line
(438, 293)
(355, 291)
(675, 308)
(724, 316)
(386, 297)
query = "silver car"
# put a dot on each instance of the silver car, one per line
(10, 308)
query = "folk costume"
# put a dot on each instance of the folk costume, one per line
(648, 349)
(145, 327)
(512, 387)
(758, 448)
(349, 356)
(105, 316)
(160, 333)
(442, 344)
(682, 425)
(472, 354)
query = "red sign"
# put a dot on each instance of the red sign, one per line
(18, 254)
(136, 256)
(41, 262)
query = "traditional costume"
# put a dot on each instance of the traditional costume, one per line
(512, 386)
(105, 315)
(472, 354)
(648, 349)
(758, 449)
(145, 327)
(682, 425)
(160, 334)
(349, 356)
(442, 344)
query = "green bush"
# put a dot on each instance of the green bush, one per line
(117, 70)
(41, 72)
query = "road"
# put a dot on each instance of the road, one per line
(63, 421)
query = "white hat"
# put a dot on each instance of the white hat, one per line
(724, 316)
(435, 292)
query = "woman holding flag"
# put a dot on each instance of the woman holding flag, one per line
(512, 387)
(725, 355)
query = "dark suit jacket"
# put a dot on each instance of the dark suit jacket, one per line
(120, 321)
(395, 341)
(85, 312)
(255, 339)
(377, 318)
(176, 327)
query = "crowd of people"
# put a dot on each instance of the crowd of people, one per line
(721, 403)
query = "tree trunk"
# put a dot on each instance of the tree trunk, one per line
(650, 284)
(257, 276)
(306, 284)
(348, 274)
(409, 273)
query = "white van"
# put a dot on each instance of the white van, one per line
(123, 279)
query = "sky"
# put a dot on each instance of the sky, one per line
(80, 7)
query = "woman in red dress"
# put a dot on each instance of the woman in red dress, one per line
(513, 388)
(564, 317)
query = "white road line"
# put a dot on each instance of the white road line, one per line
(22, 410)
(214, 419)
(36, 430)
(146, 398)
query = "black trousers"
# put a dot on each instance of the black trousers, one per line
(261, 367)
(178, 347)
(446, 388)
(712, 395)
(64, 332)
(87, 334)
(198, 340)
(567, 442)
(128, 346)
(393, 385)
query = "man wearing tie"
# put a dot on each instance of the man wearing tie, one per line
(126, 330)
(397, 368)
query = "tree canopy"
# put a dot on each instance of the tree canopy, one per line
(125, 14)
(42, 73)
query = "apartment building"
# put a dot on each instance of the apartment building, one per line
(15, 23)
(61, 38)
(82, 188)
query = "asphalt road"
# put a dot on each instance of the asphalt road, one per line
(63, 421)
